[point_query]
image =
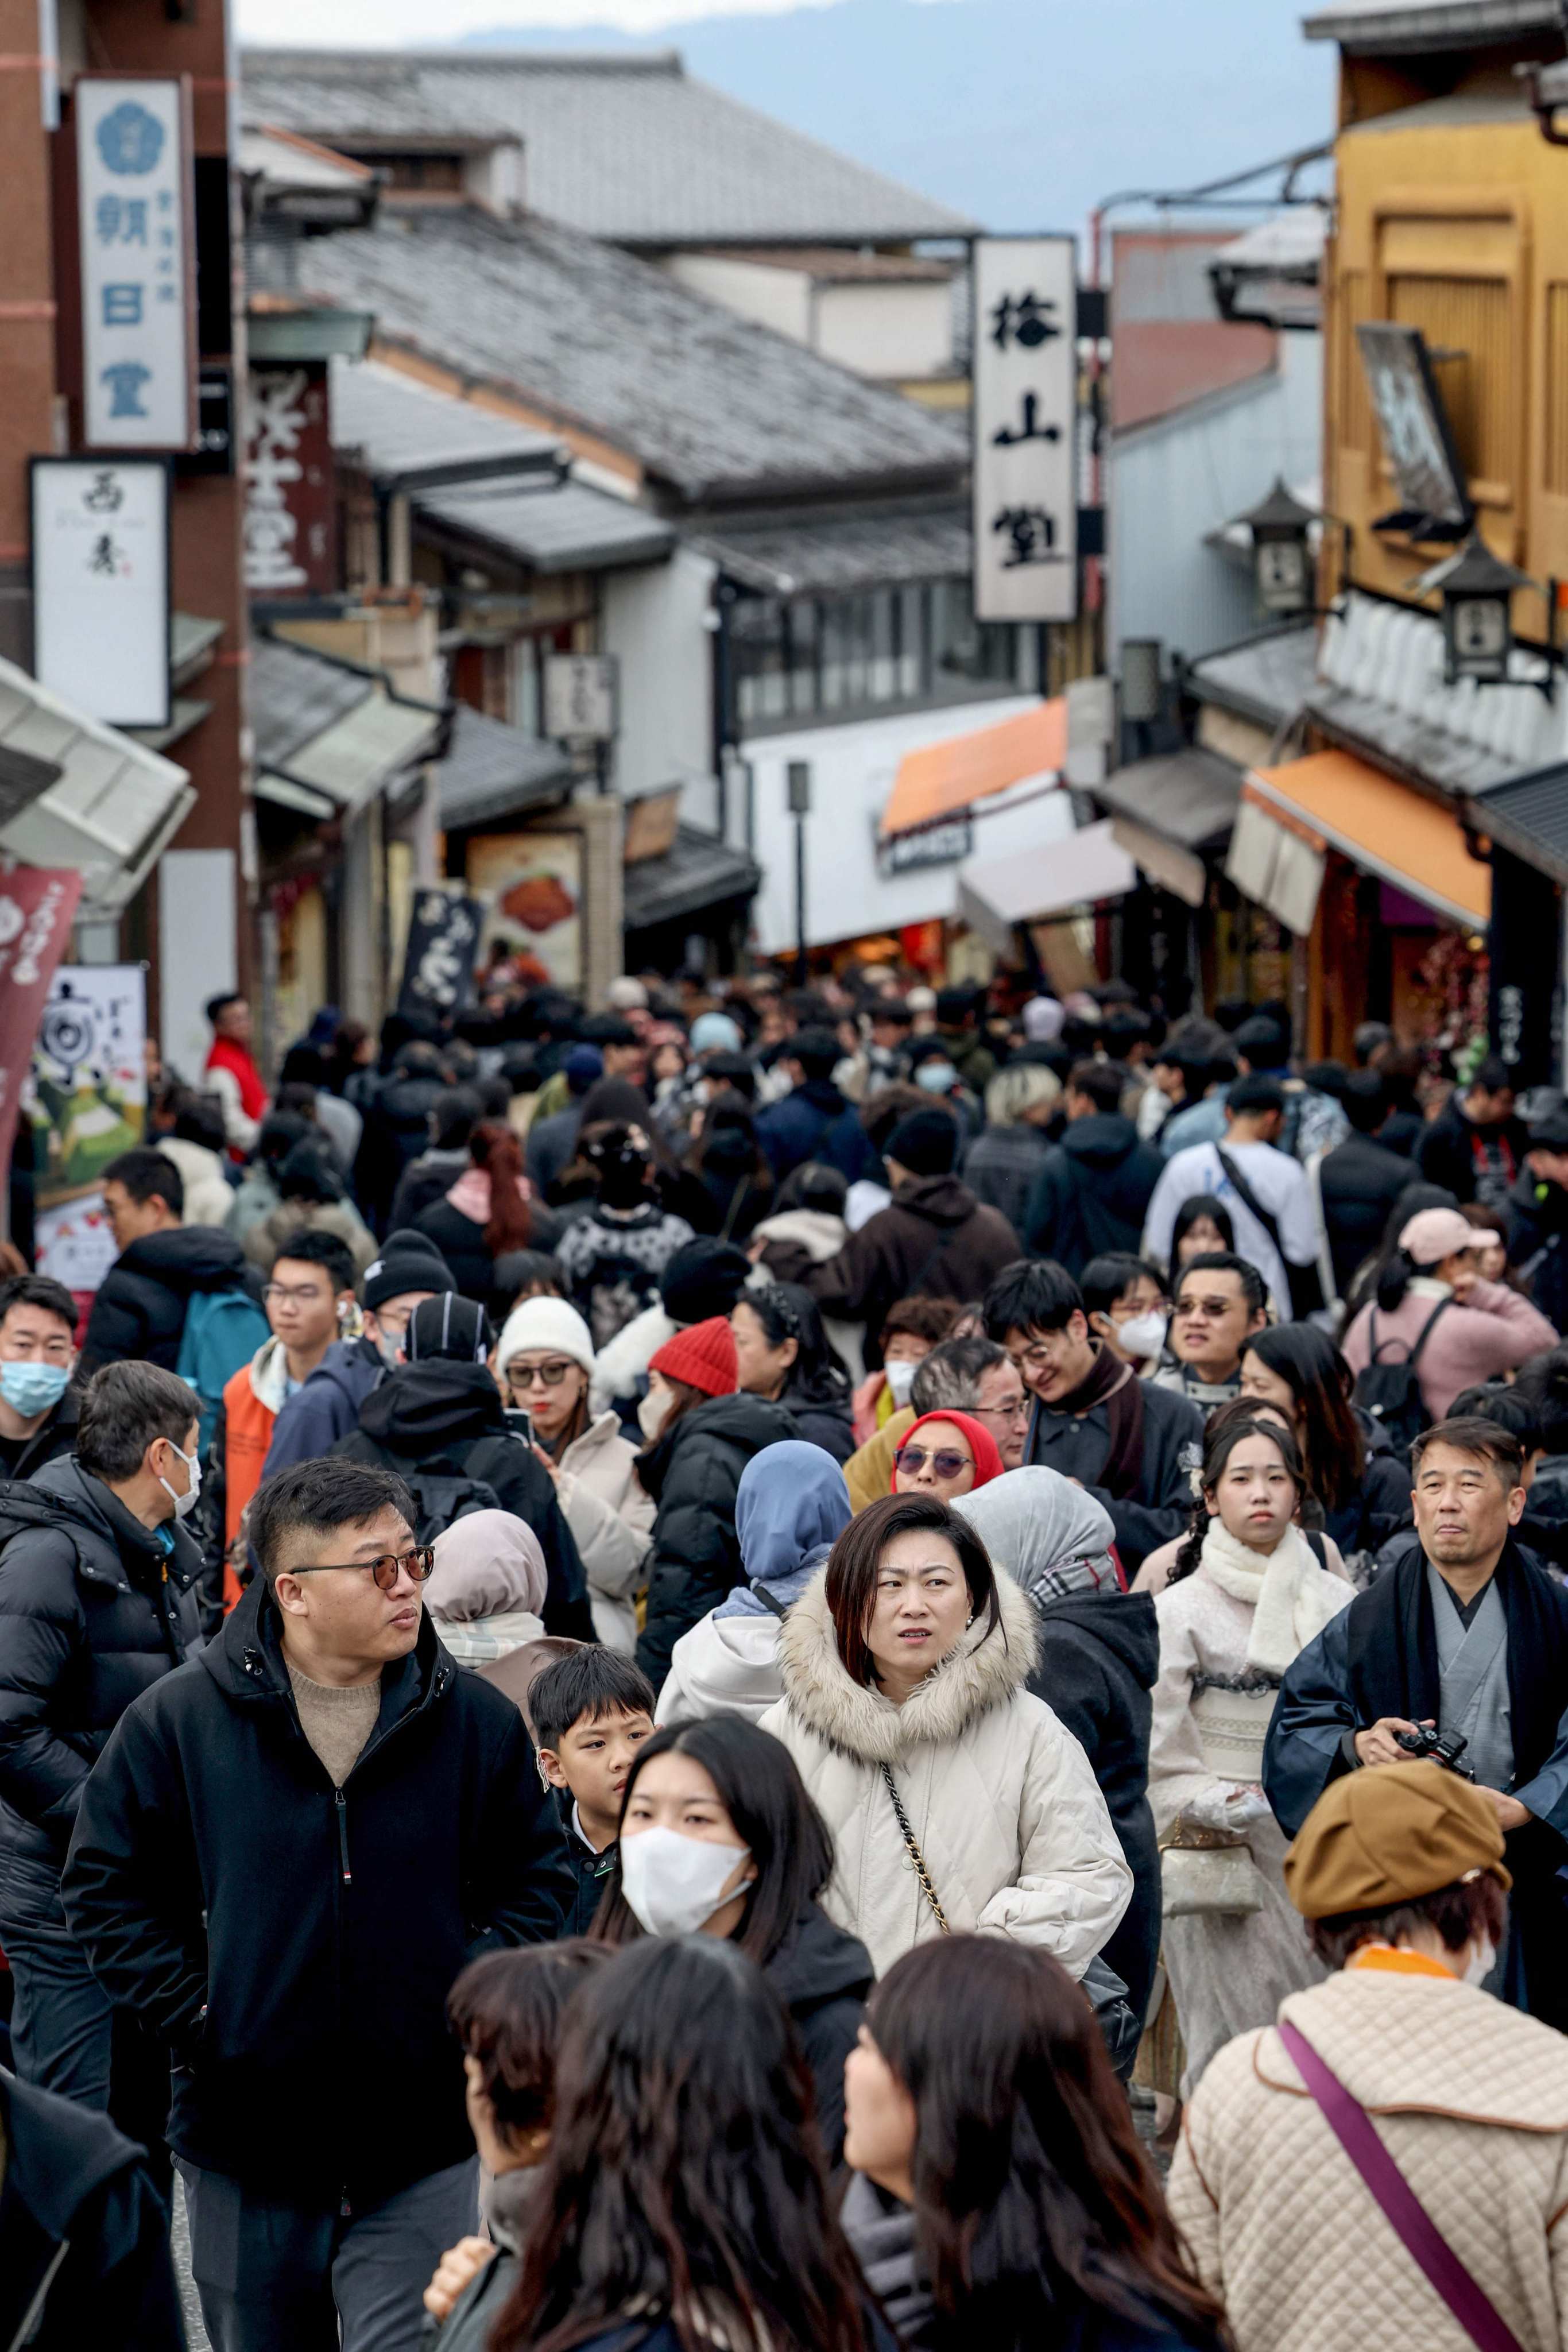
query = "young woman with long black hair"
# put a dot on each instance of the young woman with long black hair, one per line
(1001, 2197)
(684, 2204)
(1360, 1482)
(783, 1353)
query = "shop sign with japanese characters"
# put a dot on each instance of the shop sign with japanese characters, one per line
(100, 586)
(137, 273)
(1025, 407)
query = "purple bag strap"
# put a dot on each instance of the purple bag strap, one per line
(1398, 2201)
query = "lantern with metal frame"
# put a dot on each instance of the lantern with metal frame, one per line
(1477, 590)
(1281, 550)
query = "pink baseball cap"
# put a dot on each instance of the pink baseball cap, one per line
(1437, 1233)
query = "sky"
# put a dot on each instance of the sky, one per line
(381, 24)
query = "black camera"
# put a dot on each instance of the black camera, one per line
(1444, 1748)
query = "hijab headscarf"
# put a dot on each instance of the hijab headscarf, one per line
(988, 1461)
(1049, 1536)
(790, 1509)
(487, 1586)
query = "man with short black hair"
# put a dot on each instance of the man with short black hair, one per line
(1131, 1446)
(37, 1356)
(409, 1270)
(1266, 1192)
(1220, 1302)
(1465, 1636)
(97, 1602)
(1476, 1144)
(1360, 1180)
(814, 1120)
(141, 1303)
(1093, 1188)
(287, 1854)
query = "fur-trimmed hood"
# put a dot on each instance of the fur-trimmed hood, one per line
(982, 1673)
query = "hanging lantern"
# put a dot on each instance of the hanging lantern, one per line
(1281, 552)
(1476, 593)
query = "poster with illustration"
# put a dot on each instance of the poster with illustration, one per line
(532, 886)
(89, 1104)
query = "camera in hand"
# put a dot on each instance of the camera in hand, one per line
(1444, 1748)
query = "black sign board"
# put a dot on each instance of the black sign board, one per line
(442, 944)
(1525, 956)
(215, 449)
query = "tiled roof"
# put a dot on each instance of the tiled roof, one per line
(712, 405)
(492, 771)
(698, 872)
(627, 147)
(843, 553)
(1429, 24)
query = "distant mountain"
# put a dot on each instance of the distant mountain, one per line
(1021, 113)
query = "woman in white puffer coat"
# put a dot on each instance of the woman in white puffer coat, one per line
(956, 1799)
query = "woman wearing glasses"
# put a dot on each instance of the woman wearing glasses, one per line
(544, 1361)
(956, 1799)
(947, 1454)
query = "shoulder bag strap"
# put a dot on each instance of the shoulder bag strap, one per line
(915, 1856)
(1397, 2202)
(1425, 1333)
(1249, 1199)
(770, 1600)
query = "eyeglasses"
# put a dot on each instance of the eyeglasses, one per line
(278, 1294)
(522, 1375)
(1036, 1357)
(946, 1464)
(386, 1567)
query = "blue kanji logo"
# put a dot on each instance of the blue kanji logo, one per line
(129, 138)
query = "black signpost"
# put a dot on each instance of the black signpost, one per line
(442, 947)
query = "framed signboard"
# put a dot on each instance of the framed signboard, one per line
(136, 219)
(1024, 421)
(101, 607)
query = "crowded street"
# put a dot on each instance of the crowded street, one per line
(784, 1291)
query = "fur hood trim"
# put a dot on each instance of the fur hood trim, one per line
(981, 1674)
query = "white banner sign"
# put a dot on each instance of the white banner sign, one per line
(89, 1104)
(100, 586)
(1025, 410)
(580, 697)
(138, 263)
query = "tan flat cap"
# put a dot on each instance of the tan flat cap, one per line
(1387, 1834)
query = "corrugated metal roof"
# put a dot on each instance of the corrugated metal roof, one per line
(296, 695)
(492, 771)
(840, 554)
(1163, 365)
(1429, 24)
(698, 872)
(1189, 796)
(710, 403)
(628, 148)
(572, 528)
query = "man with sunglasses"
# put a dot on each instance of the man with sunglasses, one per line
(287, 1852)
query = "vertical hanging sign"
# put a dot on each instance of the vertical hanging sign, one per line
(136, 212)
(1025, 411)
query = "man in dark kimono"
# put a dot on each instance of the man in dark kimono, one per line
(1466, 1634)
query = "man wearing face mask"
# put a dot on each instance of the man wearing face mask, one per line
(98, 1601)
(326, 1407)
(37, 1356)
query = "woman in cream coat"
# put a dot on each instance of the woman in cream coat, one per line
(544, 1361)
(1246, 1596)
(954, 1798)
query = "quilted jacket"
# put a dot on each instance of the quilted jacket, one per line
(1472, 2100)
(1004, 1806)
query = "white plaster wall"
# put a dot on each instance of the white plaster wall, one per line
(779, 298)
(655, 620)
(887, 330)
(853, 771)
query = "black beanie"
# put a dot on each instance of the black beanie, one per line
(926, 1143)
(701, 1280)
(452, 1329)
(409, 1261)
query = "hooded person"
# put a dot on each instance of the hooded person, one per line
(704, 1278)
(487, 1586)
(790, 1507)
(1099, 1659)
(326, 1407)
(437, 1421)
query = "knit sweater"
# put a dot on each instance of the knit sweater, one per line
(337, 1722)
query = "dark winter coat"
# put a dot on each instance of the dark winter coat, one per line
(508, 2210)
(1093, 1192)
(139, 1309)
(1380, 1506)
(1545, 1527)
(1361, 1181)
(326, 1408)
(1449, 1153)
(461, 1242)
(424, 1181)
(823, 1976)
(1001, 1166)
(815, 1122)
(87, 1623)
(1537, 1244)
(52, 1441)
(293, 1943)
(1160, 1506)
(447, 1420)
(692, 1471)
(933, 1237)
(551, 1146)
(591, 1871)
(1099, 1662)
(396, 1132)
(823, 1416)
(82, 2226)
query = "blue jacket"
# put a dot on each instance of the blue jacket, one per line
(326, 1407)
(815, 1122)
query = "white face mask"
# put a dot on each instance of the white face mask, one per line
(901, 1380)
(1144, 1335)
(1481, 1964)
(674, 1883)
(186, 1503)
(654, 1411)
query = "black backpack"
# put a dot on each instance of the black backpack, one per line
(1391, 1393)
(440, 1497)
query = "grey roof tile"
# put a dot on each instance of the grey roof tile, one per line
(699, 871)
(628, 148)
(573, 528)
(491, 770)
(296, 695)
(843, 553)
(711, 404)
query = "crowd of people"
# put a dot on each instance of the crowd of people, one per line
(709, 1676)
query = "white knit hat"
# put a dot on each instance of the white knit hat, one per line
(545, 1323)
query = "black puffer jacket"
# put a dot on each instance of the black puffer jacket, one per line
(1099, 1662)
(446, 1420)
(822, 1977)
(293, 1943)
(822, 1417)
(396, 1133)
(140, 1311)
(692, 1473)
(1093, 1192)
(87, 1623)
(461, 1241)
(933, 1237)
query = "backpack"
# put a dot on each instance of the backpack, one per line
(224, 1329)
(1391, 1393)
(441, 1496)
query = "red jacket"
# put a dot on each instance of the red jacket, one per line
(227, 1056)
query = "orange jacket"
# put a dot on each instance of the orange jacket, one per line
(247, 1433)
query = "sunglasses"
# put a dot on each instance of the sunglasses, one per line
(946, 1464)
(552, 1375)
(386, 1567)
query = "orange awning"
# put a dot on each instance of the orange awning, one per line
(1384, 827)
(947, 777)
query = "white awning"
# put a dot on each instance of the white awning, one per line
(76, 792)
(995, 894)
(1275, 868)
(1162, 862)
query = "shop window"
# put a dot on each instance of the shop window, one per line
(890, 646)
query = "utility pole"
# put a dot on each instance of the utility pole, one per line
(800, 781)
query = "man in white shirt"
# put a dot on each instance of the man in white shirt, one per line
(1266, 1192)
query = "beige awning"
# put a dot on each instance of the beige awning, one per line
(995, 894)
(76, 792)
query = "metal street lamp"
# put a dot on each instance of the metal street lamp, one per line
(1282, 554)
(1476, 592)
(797, 779)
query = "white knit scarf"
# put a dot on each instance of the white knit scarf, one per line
(1290, 1597)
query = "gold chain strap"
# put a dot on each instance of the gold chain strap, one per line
(915, 1856)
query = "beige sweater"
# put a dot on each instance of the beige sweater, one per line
(1472, 2100)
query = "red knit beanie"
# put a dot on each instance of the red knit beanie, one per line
(704, 1357)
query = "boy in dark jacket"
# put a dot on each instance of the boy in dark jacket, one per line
(592, 1711)
(326, 1407)
(1476, 1145)
(140, 1307)
(1093, 1188)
